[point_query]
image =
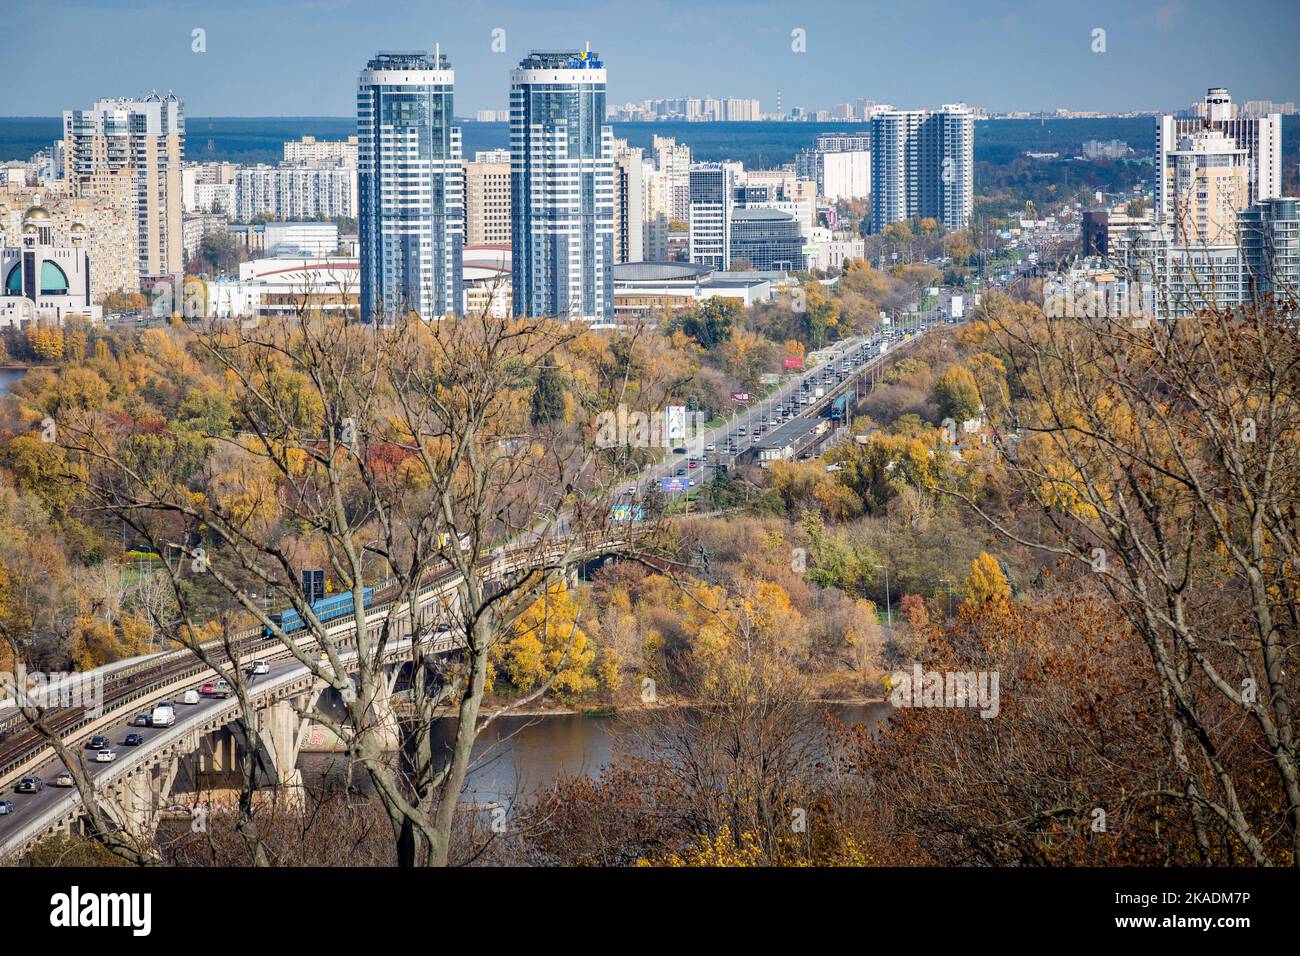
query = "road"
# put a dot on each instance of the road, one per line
(723, 444)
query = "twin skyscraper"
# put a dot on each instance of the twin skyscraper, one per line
(411, 200)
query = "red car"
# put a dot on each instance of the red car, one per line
(694, 464)
(207, 689)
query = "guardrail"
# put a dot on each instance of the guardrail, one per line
(20, 764)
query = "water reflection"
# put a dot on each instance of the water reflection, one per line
(518, 755)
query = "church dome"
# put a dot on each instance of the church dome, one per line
(37, 214)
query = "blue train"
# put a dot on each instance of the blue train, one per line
(326, 609)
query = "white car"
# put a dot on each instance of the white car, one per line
(105, 756)
(260, 667)
(63, 780)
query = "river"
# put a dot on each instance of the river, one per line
(519, 755)
(9, 377)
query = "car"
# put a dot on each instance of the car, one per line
(681, 472)
(140, 720)
(207, 689)
(710, 447)
(741, 430)
(693, 464)
(6, 808)
(692, 481)
(105, 755)
(191, 697)
(63, 780)
(96, 742)
(260, 667)
(133, 740)
(30, 785)
(679, 451)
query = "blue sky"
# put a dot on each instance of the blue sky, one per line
(301, 57)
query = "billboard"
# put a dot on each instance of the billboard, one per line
(793, 361)
(674, 486)
(740, 397)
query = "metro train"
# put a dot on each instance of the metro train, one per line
(326, 609)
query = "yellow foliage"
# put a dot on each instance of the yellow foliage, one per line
(986, 581)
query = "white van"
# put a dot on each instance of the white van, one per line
(163, 715)
(191, 697)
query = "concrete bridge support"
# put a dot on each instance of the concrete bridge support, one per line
(136, 801)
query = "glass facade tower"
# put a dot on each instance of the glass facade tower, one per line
(410, 195)
(561, 188)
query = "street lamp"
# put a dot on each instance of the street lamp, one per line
(889, 613)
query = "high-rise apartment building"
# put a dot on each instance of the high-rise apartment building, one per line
(310, 151)
(129, 152)
(1270, 241)
(295, 192)
(562, 187)
(1204, 184)
(710, 215)
(657, 211)
(629, 203)
(1260, 137)
(674, 162)
(410, 216)
(922, 165)
(487, 201)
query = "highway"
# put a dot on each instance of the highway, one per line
(724, 444)
(147, 679)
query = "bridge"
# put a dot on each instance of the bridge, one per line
(202, 751)
(203, 748)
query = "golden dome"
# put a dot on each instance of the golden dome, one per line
(77, 227)
(29, 230)
(37, 214)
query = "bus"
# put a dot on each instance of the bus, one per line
(326, 609)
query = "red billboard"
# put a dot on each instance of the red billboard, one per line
(793, 361)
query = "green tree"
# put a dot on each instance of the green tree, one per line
(957, 395)
(548, 397)
(711, 322)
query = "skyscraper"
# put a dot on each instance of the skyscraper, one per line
(1204, 182)
(922, 165)
(1260, 137)
(129, 152)
(629, 203)
(710, 215)
(562, 187)
(487, 202)
(410, 215)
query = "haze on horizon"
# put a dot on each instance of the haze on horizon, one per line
(301, 57)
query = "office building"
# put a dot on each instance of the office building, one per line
(922, 166)
(767, 240)
(410, 210)
(562, 187)
(129, 152)
(310, 240)
(710, 215)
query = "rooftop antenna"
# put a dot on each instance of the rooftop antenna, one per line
(437, 56)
